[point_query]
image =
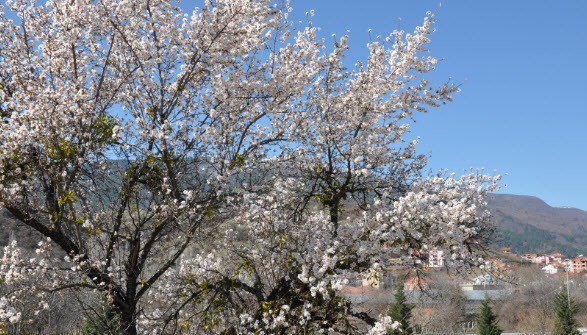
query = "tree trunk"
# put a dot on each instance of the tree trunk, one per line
(128, 324)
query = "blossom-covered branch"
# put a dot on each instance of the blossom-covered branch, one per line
(219, 170)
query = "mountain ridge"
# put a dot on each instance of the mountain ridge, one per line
(527, 224)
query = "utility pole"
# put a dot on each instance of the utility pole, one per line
(568, 291)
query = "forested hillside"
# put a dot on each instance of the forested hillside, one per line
(528, 224)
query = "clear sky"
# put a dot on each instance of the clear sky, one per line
(522, 109)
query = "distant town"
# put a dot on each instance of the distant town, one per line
(556, 262)
(447, 301)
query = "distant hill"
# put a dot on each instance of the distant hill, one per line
(528, 224)
(524, 223)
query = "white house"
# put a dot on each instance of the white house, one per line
(436, 258)
(550, 269)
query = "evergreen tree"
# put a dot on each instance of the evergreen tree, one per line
(487, 320)
(103, 321)
(401, 311)
(565, 310)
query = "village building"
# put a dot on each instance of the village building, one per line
(557, 257)
(550, 269)
(416, 284)
(436, 258)
(578, 264)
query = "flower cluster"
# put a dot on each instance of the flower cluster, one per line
(216, 171)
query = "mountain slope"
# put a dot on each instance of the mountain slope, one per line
(528, 224)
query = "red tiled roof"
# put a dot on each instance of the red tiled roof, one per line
(359, 290)
(415, 280)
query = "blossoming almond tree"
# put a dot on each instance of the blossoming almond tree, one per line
(217, 171)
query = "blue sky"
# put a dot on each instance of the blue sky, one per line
(522, 110)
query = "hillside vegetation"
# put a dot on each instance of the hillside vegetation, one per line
(528, 224)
